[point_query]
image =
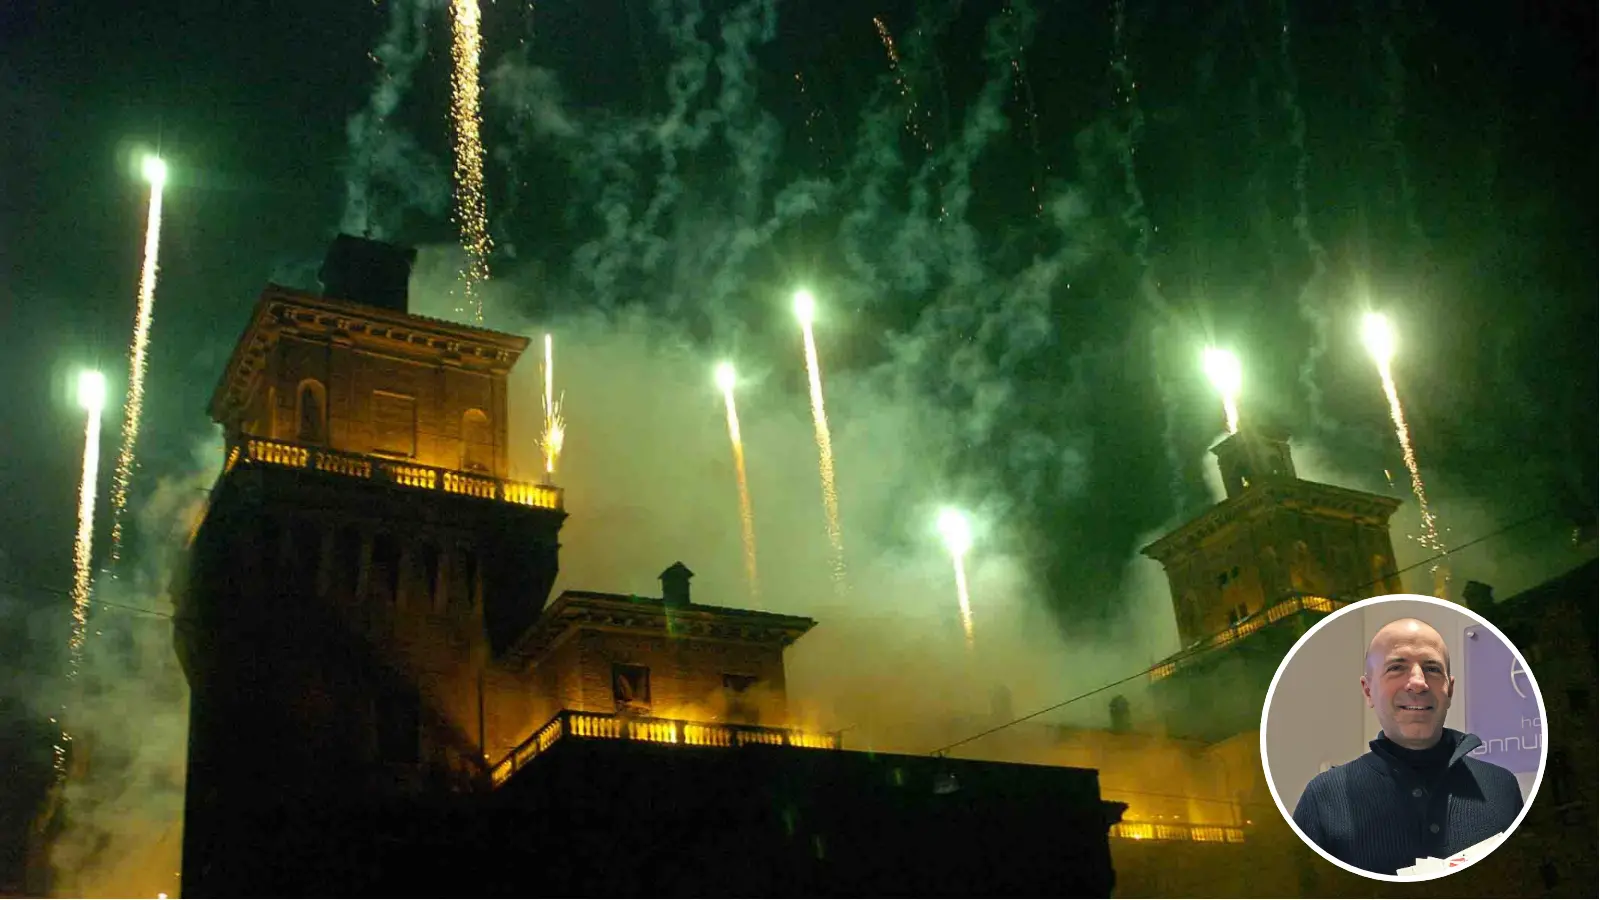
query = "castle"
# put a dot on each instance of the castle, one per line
(383, 697)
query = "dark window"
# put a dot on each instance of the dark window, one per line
(1550, 874)
(399, 723)
(630, 687)
(430, 575)
(312, 428)
(740, 705)
(346, 562)
(384, 579)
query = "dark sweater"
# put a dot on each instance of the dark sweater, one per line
(1393, 806)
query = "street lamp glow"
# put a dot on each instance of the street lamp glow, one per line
(725, 376)
(956, 531)
(1379, 337)
(92, 391)
(154, 170)
(805, 306)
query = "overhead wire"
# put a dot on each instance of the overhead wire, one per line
(1205, 646)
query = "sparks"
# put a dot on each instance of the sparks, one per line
(1379, 337)
(1226, 375)
(805, 307)
(957, 534)
(914, 110)
(471, 214)
(155, 172)
(726, 379)
(92, 398)
(555, 425)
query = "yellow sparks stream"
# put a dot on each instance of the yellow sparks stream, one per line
(805, 306)
(555, 425)
(155, 171)
(747, 522)
(471, 212)
(1380, 341)
(91, 396)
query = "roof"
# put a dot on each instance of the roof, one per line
(310, 313)
(623, 612)
(1308, 496)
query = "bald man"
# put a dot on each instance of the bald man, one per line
(1416, 793)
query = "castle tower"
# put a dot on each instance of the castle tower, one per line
(1249, 575)
(363, 558)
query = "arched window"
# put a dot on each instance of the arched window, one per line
(311, 413)
(477, 442)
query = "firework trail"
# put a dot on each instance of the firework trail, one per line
(957, 536)
(1227, 376)
(155, 171)
(555, 425)
(1022, 94)
(1289, 97)
(813, 113)
(92, 397)
(471, 213)
(805, 309)
(1380, 340)
(914, 111)
(726, 379)
(1388, 129)
(1127, 89)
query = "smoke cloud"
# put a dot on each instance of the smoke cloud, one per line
(122, 805)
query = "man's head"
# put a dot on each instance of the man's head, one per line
(1408, 682)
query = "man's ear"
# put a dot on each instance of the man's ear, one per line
(1366, 691)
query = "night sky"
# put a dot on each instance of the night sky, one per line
(1254, 172)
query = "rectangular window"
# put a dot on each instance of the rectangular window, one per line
(630, 687)
(741, 705)
(394, 424)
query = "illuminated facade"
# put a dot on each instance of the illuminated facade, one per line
(378, 683)
(1249, 575)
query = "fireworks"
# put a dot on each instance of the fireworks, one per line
(471, 214)
(914, 109)
(957, 534)
(726, 379)
(805, 307)
(555, 426)
(155, 172)
(1222, 367)
(92, 398)
(1379, 337)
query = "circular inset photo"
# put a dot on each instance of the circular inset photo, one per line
(1403, 738)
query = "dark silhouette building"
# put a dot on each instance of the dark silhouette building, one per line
(383, 701)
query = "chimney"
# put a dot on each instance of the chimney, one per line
(1121, 717)
(675, 585)
(367, 272)
(1254, 456)
(1478, 597)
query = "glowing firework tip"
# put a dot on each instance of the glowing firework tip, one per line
(805, 307)
(1227, 376)
(725, 376)
(154, 170)
(955, 531)
(92, 392)
(1379, 337)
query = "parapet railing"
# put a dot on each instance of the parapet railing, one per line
(390, 471)
(1279, 610)
(607, 726)
(1153, 831)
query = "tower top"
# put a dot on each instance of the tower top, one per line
(368, 272)
(1253, 456)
